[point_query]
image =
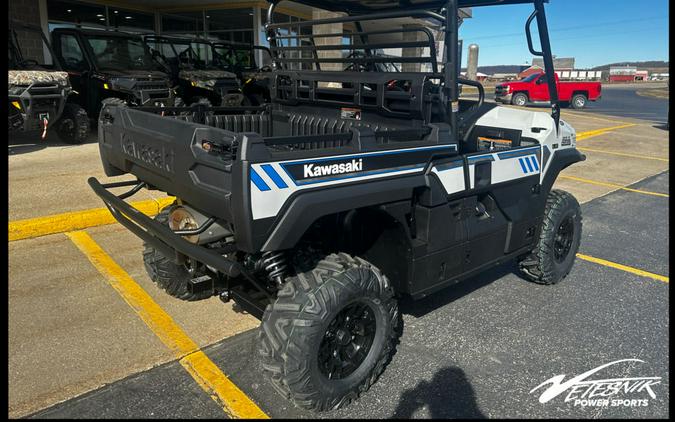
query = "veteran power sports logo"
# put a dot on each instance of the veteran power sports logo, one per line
(606, 392)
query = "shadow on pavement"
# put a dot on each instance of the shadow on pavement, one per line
(448, 395)
(25, 142)
(421, 307)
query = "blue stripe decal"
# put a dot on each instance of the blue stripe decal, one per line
(522, 165)
(355, 156)
(517, 153)
(529, 165)
(361, 174)
(274, 176)
(473, 160)
(258, 181)
(534, 162)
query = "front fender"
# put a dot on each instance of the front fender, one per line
(560, 160)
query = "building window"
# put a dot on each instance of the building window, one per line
(183, 23)
(131, 20)
(71, 13)
(85, 14)
(229, 19)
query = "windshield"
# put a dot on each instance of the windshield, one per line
(531, 78)
(186, 54)
(120, 53)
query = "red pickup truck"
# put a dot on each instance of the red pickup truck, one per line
(534, 89)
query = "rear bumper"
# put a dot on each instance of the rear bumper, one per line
(158, 235)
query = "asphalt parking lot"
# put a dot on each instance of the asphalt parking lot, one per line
(91, 336)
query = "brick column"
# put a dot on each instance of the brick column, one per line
(28, 11)
(332, 28)
(411, 51)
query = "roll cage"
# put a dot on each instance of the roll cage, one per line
(187, 57)
(288, 50)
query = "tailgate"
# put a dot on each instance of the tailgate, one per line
(167, 153)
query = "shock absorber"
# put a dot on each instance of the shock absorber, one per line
(274, 262)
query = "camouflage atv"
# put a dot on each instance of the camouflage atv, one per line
(251, 64)
(39, 93)
(195, 71)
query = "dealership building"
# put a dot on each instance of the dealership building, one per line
(234, 21)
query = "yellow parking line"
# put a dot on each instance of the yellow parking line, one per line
(76, 220)
(612, 185)
(233, 401)
(623, 154)
(622, 267)
(592, 133)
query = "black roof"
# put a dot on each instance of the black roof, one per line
(176, 39)
(370, 6)
(97, 32)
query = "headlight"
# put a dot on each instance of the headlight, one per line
(17, 90)
(207, 84)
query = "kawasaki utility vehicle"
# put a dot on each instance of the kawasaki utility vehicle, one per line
(39, 94)
(196, 71)
(111, 67)
(318, 213)
(251, 64)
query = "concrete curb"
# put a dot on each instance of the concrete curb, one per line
(76, 220)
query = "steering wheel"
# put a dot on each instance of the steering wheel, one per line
(356, 67)
(139, 61)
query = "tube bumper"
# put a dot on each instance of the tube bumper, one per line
(156, 234)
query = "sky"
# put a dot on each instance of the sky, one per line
(594, 32)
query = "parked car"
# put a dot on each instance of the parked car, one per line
(113, 66)
(534, 89)
(319, 213)
(39, 94)
(195, 71)
(252, 69)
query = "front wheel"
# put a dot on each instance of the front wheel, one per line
(330, 333)
(555, 252)
(73, 126)
(519, 99)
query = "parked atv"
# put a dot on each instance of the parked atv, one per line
(196, 72)
(112, 66)
(39, 94)
(319, 213)
(243, 60)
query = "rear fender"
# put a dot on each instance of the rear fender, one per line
(307, 207)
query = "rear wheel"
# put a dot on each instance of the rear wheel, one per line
(330, 332)
(519, 99)
(169, 276)
(555, 252)
(578, 101)
(73, 126)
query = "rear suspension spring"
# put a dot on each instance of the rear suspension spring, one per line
(275, 265)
